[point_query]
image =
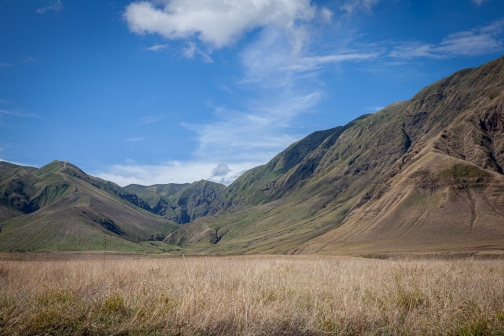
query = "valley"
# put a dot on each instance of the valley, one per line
(417, 176)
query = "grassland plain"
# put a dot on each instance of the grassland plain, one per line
(251, 295)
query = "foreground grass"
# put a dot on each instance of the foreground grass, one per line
(268, 295)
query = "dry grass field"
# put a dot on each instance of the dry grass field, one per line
(254, 295)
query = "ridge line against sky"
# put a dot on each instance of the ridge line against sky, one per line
(175, 91)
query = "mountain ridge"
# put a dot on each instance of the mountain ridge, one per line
(419, 175)
(337, 188)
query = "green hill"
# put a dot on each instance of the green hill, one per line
(59, 207)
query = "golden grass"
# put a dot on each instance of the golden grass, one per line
(257, 295)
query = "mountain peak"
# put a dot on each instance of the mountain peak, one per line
(62, 167)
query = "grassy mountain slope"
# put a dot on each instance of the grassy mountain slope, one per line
(181, 203)
(448, 193)
(61, 207)
(417, 175)
(152, 194)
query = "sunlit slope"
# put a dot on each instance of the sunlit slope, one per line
(61, 207)
(447, 194)
(418, 175)
(439, 203)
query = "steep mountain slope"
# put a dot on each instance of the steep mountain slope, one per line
(16, 184)
(60, 207)
(418, 175)
(181, 203)
(152, 194)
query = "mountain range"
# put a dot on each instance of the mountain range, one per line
(419, 175)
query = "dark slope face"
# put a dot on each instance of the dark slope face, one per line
(181, 203)
(152, 194)
(157, 198)
(351, 182)
(61, 206)
(16, 186)
(195, 199)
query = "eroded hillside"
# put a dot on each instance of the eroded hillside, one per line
(420, 174)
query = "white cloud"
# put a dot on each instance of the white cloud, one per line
(478, 41)
(214, 22)
(5, 65)
(56, 6)
(221, 170)
(224, 175)
(157, 47)
(171, 172)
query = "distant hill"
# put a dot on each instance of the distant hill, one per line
(181, 203)
(60, 207)
(420, 175)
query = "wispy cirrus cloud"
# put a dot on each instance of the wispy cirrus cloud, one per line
(256, 135)
(30, 59)
(15, 113)
(277, 61)
(478, 41)
(157, 47)
(134, 139)
(314, 62)
(192, 50)
(150, 119)
(478, 2)
(5, 65)
(355, 5)
(55, 6)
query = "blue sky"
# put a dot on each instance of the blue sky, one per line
(173, 91)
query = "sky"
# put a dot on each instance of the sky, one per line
(174, 91)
